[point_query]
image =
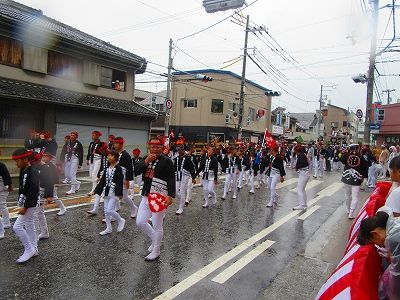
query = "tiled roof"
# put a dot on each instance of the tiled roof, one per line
(306, 120)
(16, 12)
(14, 89)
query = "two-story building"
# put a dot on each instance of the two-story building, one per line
(55, 77)
(386, 124)
(337, 125)
(205, 110)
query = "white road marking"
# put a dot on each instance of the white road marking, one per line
(287, 182)
(311, 184)
(309, 212)
(241, 263)
(223, 259)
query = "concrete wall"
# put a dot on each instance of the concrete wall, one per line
(222, 87)
(331, 115)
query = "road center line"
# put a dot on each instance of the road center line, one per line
(223, 259)
(309, 212)
(241, 263)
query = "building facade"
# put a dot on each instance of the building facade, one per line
(205, 111)
(386, 128)
(54, 77)
(338, 124)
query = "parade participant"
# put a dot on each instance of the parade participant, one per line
(393, 153)
(383, 230)
(47, 159)
(245, 165)
(125, 161)
(111, 185)
(393, 200)
(93, 157)
(195, 162)
(276, 173)
(383, 161)
(103, 150)
(336, 159)
(137, 180)
(33, 142)
(209, 167)
(158, 177)
(254, 168)
(24, 226)
(303, 168)
(265, 158)
(64, 151)
(111, 138)
(47, 144)
(354, 170)
(48, 177)
(293, 158)
(319, 157)
(184, 171)
(232, 167)
(73, 161)
(5, 188)
(310, 154)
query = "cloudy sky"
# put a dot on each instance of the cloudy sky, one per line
(321, 42)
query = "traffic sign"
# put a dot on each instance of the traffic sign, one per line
(375, 126)
(168, 103)
(359, 113)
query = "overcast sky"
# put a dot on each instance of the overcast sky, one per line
(329, 41)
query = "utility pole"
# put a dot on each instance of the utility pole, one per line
(319, 114)
(168, 96)
(241, 99)
(371, 72)
(388, 91)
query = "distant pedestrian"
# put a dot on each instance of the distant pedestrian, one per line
(5, 189)
(303, 168)
(276, 173)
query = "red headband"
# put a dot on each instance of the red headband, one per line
(119, 141)
(156, 143)
(26, 154)
(97, 133)
(136, 151)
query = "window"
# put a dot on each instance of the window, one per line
(217, 106)
(10, 51)
(113, 79)
(190, 103)
(334, 124)
(252, 114)
(65, 66)
(345, 124)
(159, 107)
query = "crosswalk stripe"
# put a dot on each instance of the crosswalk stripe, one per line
(309, 212)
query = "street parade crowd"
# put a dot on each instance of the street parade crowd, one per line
(170, 171)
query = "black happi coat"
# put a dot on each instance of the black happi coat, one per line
(117, 183)
(163, 180)
(28, 188)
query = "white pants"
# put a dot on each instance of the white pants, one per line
(93, 171)
(1, 226)
(189, 191)
(41, 220)
(208, 189)
(293, 162)
(57, 201)
(304, 176)
(230, 177)
(318, 167)
(382, 169)
(24, 228)
(155, 231)
(71, 167)
(273, 181)
(372, 170)
(336, 166)
(181, 187)
(3, 208)
(351, 193)
(252, 179)
(128, 201)
(109, 210)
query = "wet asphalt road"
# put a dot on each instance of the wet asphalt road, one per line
(77, 263)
